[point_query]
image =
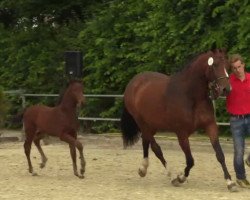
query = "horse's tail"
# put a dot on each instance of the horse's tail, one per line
(18, 118)
(129, 128)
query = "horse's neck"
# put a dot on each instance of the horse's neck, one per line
(68, 104)
(194, 78)
(193, 74)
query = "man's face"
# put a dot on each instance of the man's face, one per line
(238, 68)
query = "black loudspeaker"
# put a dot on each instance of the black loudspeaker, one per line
(73, 64)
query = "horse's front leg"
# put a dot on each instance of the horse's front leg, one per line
(73, 157)
(72, 141)
(185, 146)
(79, 146)
(212, 132)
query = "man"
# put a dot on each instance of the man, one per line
(238, 106)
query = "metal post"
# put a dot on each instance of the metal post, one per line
(22, 137)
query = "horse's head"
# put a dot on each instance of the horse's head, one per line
(76, 88)
(216, 73)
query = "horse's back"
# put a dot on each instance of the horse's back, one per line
(145, 76)
(144, 80)
(34, 111)
(144, 96)
(40, 117)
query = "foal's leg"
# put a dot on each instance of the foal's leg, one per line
(38, 145)
(73, 142)
(212, 132)
(184, 144)
(73, 157)
(144, 165)
(27, 148)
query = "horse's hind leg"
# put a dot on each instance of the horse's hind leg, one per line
(38, 145)
(144, 165)
(158, 152)
(27, 148)
(184, 144)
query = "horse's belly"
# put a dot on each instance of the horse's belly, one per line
(169, 123)
(56, 126)
(48, 120)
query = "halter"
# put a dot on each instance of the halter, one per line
(213, 85)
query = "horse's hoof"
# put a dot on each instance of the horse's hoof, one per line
(232, 187)
(30, 170)
(42, 165)
(179, 180)
(81, 177)
(82, 171)
(76, 174)
(142, 172)
(175, 182)
(34, 174)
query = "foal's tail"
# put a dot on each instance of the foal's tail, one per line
(129, 128)
(18, 118)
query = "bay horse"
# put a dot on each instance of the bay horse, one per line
(179, 103)
(60, 121)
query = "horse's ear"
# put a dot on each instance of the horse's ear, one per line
(74, 80)
(213, 47)
(224, 50)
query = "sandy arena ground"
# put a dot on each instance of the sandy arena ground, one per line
(111, 172)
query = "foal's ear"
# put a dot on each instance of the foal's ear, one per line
(71, 81)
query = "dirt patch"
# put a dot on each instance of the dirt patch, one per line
(111, 172)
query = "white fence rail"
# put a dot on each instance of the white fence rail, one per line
(24, 95)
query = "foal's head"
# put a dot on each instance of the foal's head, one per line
(216, 73)
(75, 90)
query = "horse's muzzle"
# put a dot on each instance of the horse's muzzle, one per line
(227, 90)
(81, 101)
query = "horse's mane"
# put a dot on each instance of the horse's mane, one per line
(189, 60)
